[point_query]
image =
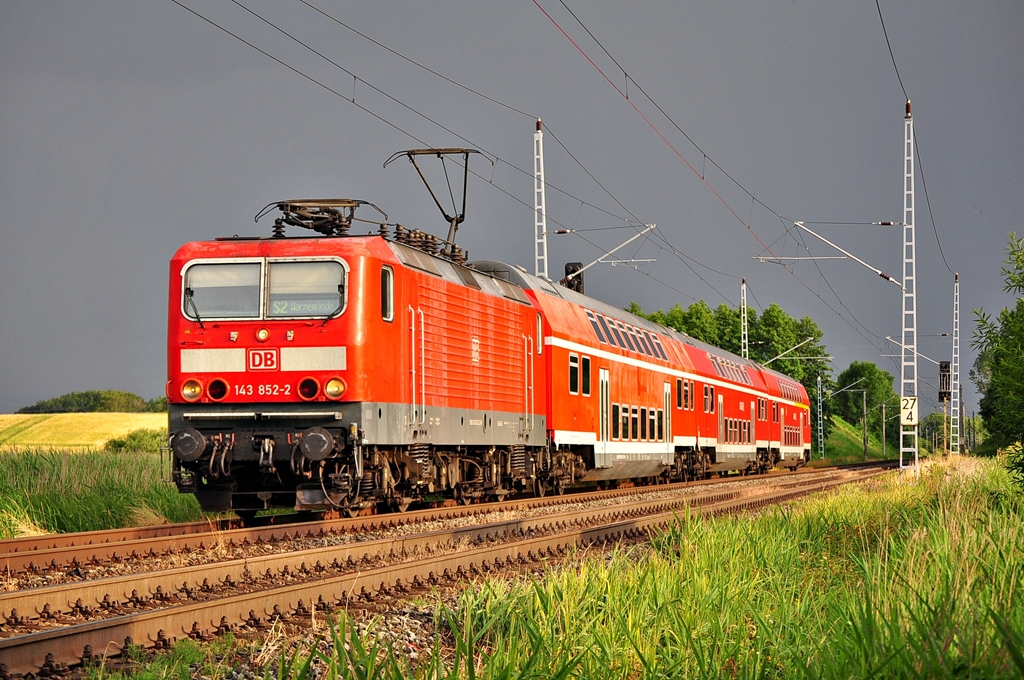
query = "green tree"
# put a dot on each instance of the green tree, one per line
(1000, 374)
(89, 401)
(770, 334)
(864, 375)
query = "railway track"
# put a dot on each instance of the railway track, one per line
(55, 552)
(75, 623)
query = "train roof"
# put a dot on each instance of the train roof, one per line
(518, 275)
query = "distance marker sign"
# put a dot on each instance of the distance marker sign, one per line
(908, 411)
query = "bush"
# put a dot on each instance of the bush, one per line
(149, 441)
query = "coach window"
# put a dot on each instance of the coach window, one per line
(387, 293)
(706, 398)
(625, 334)
(636, 425)
(651, 424)
(608, 333)
(679, 393)
(615, 421)
(586, 376)
(222, 291)
(711, 390)
(625, 422)
(643, 341)
(661, 425)
(643, 424)
(687, 394)
(775, 411)
(305, 289)
(574, 374)
(593, 322)
(540, 334)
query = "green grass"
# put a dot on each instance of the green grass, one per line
(845, 444)
(56, 491)
(903, 581)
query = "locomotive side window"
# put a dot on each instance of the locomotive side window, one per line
(223, 291)
(574, 374)
(615, 421)
(540, 334)
(305, 289)
(586, 375)
(387, 293)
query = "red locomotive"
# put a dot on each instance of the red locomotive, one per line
(357, 372)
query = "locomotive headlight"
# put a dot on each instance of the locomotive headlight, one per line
(263, 335)
(334, 388)
(192, 390)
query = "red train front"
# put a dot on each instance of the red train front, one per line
(346, 371)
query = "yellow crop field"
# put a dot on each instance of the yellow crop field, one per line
(72, 430)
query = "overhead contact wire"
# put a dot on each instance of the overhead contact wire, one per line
(653, 127)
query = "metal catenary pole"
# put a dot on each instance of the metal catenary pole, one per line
(954, 426)
(744, 338)
(821, 431)
(540, 214)
(908, 367)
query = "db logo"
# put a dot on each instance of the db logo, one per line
(262, 360)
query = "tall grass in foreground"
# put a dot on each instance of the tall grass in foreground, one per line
(60, 491)
(897, 581)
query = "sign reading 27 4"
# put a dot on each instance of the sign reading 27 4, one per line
(908, 411)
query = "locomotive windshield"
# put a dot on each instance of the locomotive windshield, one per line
(223, 291)
(305, 289)
(293, 289)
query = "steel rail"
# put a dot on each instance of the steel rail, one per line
(54, 551)
(52, 651)
(109, 593)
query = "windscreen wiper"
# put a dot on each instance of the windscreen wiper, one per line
(195, 310)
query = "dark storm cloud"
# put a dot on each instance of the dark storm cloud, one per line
(129, 128)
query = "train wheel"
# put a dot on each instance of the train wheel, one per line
(246, 517)
(539, 488)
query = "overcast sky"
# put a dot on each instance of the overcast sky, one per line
(129, 128)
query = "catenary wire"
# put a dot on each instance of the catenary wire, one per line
(677, 252)
(917, 146)
(703, 179)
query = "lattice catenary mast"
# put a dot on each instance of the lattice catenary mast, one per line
(908, 367)
(821, 431)
(954, 425)
(540, 213)
(744, 343)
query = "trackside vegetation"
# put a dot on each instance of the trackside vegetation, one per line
(890, 580)
(53, 491)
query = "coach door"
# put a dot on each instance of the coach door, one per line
(602, 446)
(721, 419)
(669, 446)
